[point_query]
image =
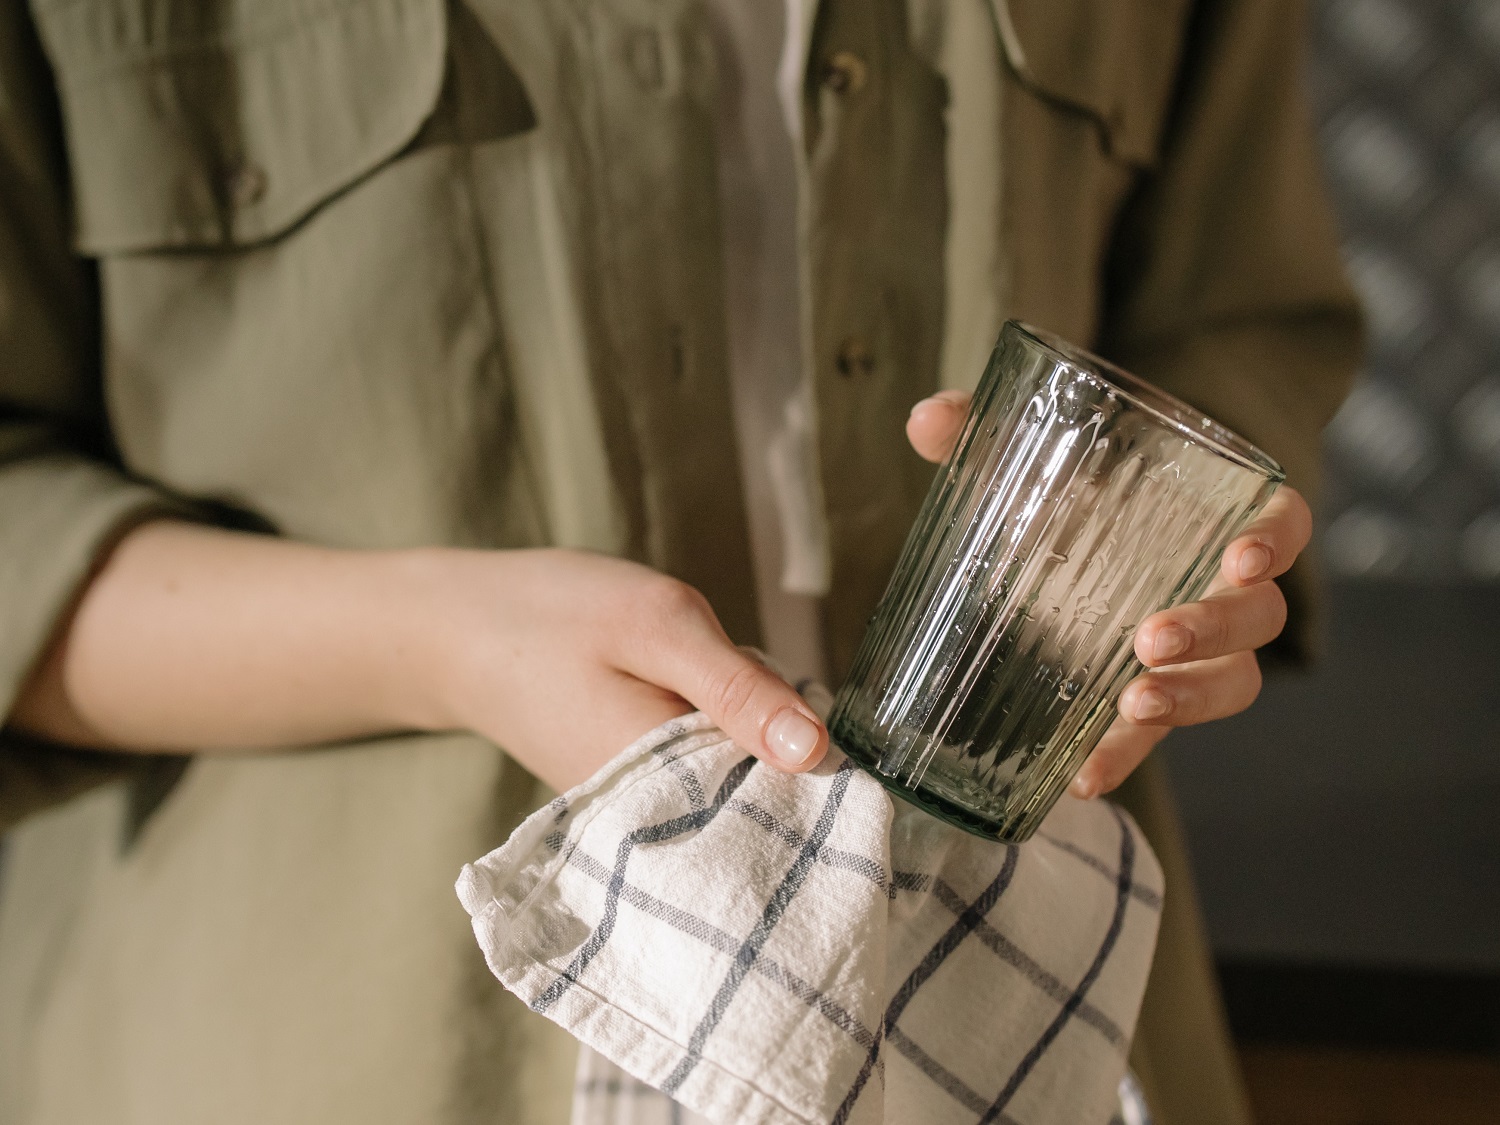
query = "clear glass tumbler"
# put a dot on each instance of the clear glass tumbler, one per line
(1078, 501)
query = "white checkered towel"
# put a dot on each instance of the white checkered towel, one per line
(773, 949)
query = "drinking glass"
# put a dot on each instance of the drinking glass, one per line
(1077, 501)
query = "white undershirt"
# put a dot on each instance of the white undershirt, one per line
(760, 66)
(773, 402)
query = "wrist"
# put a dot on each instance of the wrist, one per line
(421, 641)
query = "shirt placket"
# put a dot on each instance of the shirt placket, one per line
(648, 127)
(873, 226)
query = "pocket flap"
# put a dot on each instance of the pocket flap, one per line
(1114, 60)
(201, 124)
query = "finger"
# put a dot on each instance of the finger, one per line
(1211, 689)
(1123, 747)
(1185, 694)
(1233, 619)
(935, 422)
(684, 650)
(1270, 545)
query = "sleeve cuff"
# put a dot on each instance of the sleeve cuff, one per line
(57, 514)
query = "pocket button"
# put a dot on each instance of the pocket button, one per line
(854, 358)
(245, 184)
(845, 73)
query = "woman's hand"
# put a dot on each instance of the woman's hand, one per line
(193, 639)
(564, 658)
(1200, 656)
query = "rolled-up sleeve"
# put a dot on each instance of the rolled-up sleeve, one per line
(63, 495)
(1226, 285)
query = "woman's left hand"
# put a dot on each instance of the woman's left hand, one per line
(1200, 656)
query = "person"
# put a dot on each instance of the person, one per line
(369, 408)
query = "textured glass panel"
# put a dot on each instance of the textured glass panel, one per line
(1077, 502)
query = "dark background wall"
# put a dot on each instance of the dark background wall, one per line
(1351, 820)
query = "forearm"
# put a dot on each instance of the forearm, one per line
(191, 638)
(194, 639)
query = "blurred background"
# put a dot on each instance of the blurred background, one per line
(1346, 831)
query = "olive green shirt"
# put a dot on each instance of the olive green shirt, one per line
(380, 273)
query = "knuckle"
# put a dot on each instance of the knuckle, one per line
(1214, 630)
(1194, 705)
(671, 602)
(1240, 690)
(1254, 680)
(1302, 517)
(1276, 611)
(654, 618)
(731, 697)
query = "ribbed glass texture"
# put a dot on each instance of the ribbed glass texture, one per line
(1077, 502)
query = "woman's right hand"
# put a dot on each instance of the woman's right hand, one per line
(192, 639)
(565, 657)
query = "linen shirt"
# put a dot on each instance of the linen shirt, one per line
(382, 273)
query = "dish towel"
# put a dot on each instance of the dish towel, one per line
(769, 949)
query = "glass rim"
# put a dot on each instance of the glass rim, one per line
(1166, 408)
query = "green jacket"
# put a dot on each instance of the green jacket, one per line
(393, 272)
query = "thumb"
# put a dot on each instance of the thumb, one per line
(936, 422)
(749, 702)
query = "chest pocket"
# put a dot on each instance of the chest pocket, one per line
(194, 124)
(1113, 60)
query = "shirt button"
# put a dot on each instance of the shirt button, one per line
(855, 358)
(845, 73)
(245, 184)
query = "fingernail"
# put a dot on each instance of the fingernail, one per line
(1254, 562)
(1084, 788)
(791, 737)
(1171, 640)
(1150, 705)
